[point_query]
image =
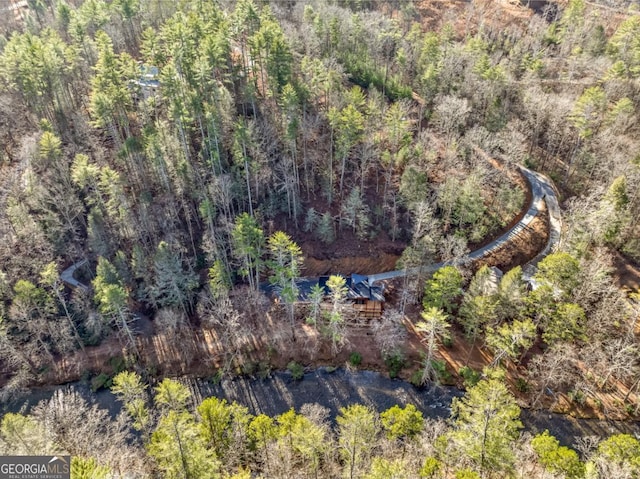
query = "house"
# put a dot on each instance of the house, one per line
(148, 82)
(367, 301)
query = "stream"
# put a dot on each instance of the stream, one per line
(334, 389)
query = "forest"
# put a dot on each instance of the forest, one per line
(188, 159)
(179, 437)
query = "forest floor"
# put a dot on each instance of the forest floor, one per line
(489, 13)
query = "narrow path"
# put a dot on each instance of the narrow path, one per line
(67, 276)
(542, 191)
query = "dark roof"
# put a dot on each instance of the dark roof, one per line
(148, 77)
(357, 288)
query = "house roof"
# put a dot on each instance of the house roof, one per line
(357, 287)
(148, 77)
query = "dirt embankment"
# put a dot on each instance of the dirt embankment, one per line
(379, 262)
(523, 247)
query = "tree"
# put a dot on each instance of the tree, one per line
(129, 388)
(355, 213)
(172, 283)
(88, 468)
(469, 207)
(349, 126)
(110, 99)
(285, 264)
(486, 422)
(426, 231)
(431, 468)
(615, 357)
(429, 63)
(176, 443)
(614, 207)
(128, 10)
(40, 68)
(241, 143)
(617, 456)
(178, 448)
(263, 433)
(476, 312)
(357, 434)
(402, 423)
(560, 271)
(50, 277)
(568, 324)
(111, 297)
(326, 229)
(510, 339)
(224, 428)
(435, 327)
(553, 370)
(215, 423)
(588, 112)
(511, 294)
(587, 117)
(625, 47)
(556, 458)
(31, 334)
(466, 474)
(248, 242)
(20, 360)
(270, 48)
(302, 444)
(479, 304)
(219, 281)
(443, 289)
(172, 395)
(398, 127)
(80, 429)
(482, 283)
(316, 296)
(382, 468)
(335, 318)
(22, 435)
(451, 114)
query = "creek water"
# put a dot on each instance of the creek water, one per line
(334, 389)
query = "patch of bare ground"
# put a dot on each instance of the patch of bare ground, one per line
(626, 273)
(348, 253)
(376, 262)
(467, 17)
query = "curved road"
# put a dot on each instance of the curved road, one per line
(542, 191)
(67, 276)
